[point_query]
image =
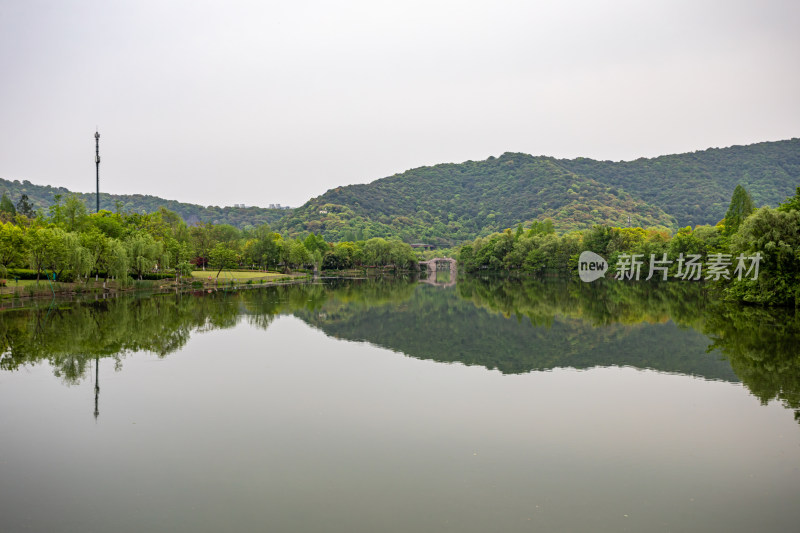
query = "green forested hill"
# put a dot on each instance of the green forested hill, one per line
(453, 202)
(450, 203)
(42, 197)
(696, 187)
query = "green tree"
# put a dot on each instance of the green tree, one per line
(7, 209)
(597, 239)
(775, 236)
(78, 259)
(792, 203)
(401, 255)
(110, 224)
(340, 257)
(264, 248)
(56, 211)
(143, 253)
(74, 213)
(115, 261)
(24, 206)
(316, 259)
(12, 246)
(315, 243)
(184, 268)
(703, 240)
(297, 255)
(226, 233)
(45, 248)
(97, 244)
(222, 257)
(376, 252)
(740, 208)
(203, 240)
(466, 257)
(542, 228)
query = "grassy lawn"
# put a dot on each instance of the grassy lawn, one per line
(11, 285)
(21, 283)
(235, 275)
(28, 287)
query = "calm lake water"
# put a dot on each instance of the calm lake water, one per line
(400, 406)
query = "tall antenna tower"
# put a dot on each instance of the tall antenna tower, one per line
(97, 164)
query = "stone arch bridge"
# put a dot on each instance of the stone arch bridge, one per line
(439, 263)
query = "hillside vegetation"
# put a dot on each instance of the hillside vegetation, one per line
(42, 197)
(449, 203)
(452, 203)
(696, 188)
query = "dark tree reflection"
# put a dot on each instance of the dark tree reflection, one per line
(513, 326)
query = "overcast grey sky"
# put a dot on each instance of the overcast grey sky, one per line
(262, 102)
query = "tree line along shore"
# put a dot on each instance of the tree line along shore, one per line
(769, 236)
(70, 245)
(67, 244)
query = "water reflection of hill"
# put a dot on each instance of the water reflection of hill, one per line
(760, 344)
(517, 328)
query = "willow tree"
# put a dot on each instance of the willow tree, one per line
(143, 253)
(45, 248)
(12, 246)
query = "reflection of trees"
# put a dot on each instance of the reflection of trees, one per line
(662, 326)
(557, 324)
(602, 302)
(759, 343)
(762, 347)
(69, 335)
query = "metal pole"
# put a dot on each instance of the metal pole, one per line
(96, 385)
(97, 164)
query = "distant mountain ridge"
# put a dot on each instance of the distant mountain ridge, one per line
(451, 203)
(42, 197)
(696, 187)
